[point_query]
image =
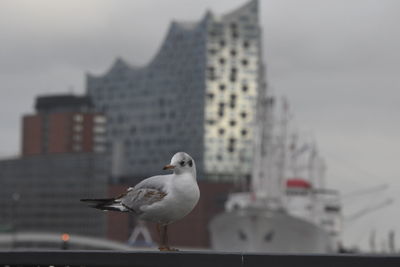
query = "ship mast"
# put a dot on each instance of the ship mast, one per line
(270, 155)
(266, 189)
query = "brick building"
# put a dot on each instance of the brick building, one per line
(63, 124)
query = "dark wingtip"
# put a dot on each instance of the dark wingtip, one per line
(83, 200)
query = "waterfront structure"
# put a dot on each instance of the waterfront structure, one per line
(198, 94)
(63, 124)
(41, 193)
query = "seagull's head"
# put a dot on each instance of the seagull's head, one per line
(182, 162)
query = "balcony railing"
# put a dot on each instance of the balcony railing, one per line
(189, 259)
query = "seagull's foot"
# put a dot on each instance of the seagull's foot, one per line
(166, 248)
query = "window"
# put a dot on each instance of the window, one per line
(211, 73)
(243, 115)
(99, 139)
(99, 119)
(221, 131)
(78, 118)
(222, 61)
(246, 44)
(222, 87)
(244, 132)
(99, 148)
(232, 123)
(233, 101)
(78, 127)
(245, 88)
(233, 52)
(77, 137)
(210, 96)
(99, 129)
(245, 62)
(222, 43)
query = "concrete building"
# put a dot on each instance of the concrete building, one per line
(41, 193)
(198, 94)
(63, 124)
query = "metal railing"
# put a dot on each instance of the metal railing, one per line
(189, 259)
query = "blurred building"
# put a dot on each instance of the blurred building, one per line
(41, 193)
(62, 161)
(63, 124)
(198, 95)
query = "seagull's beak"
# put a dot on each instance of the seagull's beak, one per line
(168, 167)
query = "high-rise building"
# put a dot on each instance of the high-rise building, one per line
(40, 191)
(63, 124)
(198, 94)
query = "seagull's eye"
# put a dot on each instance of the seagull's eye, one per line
(190, 163)
(182, 163)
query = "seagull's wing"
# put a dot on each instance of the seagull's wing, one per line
(147, 192)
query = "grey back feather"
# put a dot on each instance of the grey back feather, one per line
(147, 192)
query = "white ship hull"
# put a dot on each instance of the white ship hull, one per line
(250, 230)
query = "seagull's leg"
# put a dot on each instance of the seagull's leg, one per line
(166, 238)
(162, 245)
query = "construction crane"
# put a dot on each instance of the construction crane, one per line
(366, 191)
(368, 209)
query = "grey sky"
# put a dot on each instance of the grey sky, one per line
(336, 60)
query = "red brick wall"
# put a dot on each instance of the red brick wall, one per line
(87, 133)
(59, 133)
(31, 135)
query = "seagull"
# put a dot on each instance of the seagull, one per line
(162, 199)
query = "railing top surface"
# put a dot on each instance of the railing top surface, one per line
(189, 258)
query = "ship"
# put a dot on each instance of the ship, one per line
(287, 208)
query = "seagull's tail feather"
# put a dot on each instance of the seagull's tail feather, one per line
(106, 204)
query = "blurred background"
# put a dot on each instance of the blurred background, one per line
(97, 95)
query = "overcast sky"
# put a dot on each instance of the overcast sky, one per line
(337, 61)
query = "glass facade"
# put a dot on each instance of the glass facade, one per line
(197, 95)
